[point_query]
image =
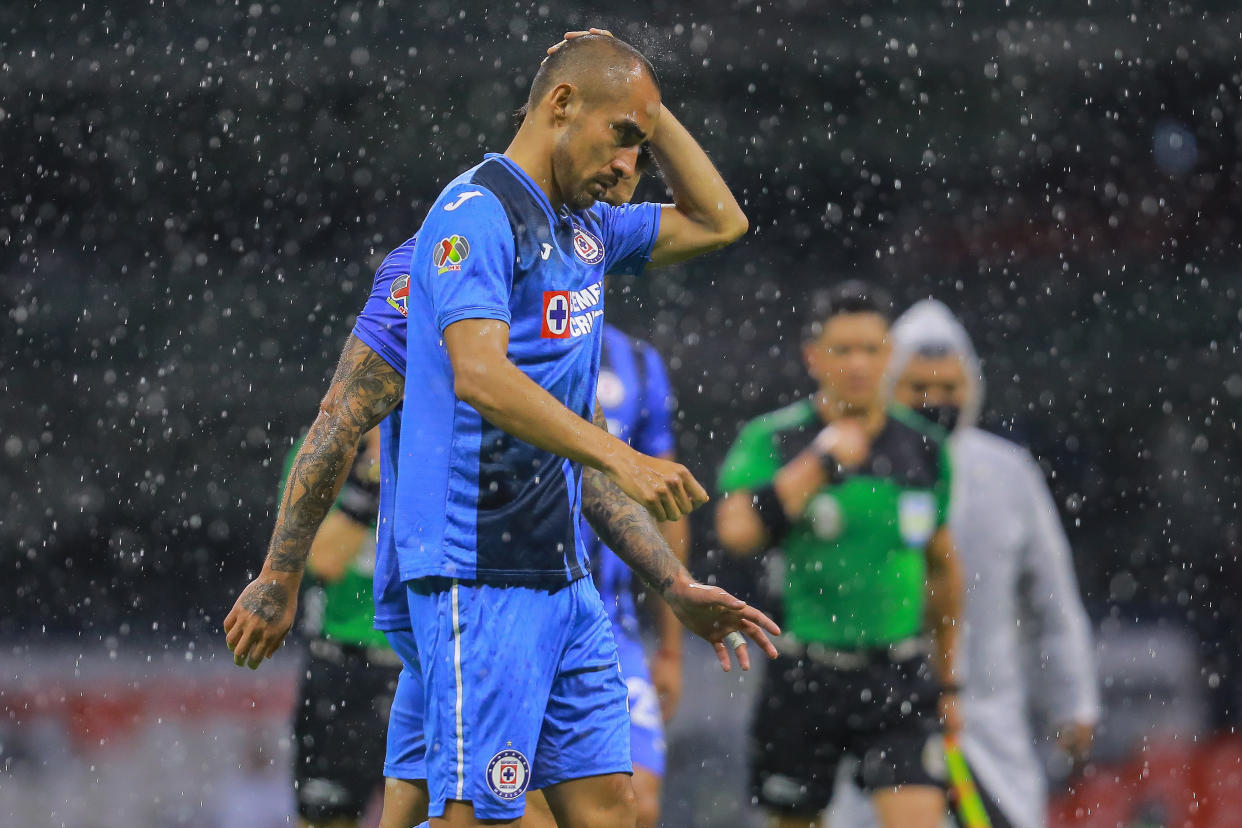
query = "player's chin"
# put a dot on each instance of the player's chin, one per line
(584, 200)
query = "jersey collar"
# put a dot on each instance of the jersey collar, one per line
(529, 183)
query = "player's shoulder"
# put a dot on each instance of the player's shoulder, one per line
(798, 414)
(469, 193)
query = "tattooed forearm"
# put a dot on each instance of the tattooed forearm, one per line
(267, 601)
(627, 528)
(364, 390)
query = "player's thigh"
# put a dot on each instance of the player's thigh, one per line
(489, 656)
(538, 812)
(646, 797)
(405, 803)
(910, 806)
(585, 729)
(605, 801)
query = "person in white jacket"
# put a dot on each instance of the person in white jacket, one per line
(1021, 591)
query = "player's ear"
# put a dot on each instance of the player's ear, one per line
(562, 99)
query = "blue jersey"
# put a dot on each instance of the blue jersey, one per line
(634, 393)
(468, 500)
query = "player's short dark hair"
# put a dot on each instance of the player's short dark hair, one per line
(596, 52)
(848, 297)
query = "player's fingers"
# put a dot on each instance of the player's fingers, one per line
(743, 657)
(234, 636)
(604, 32)
(756, 634)
(668, 502)
(757, 618)
(696, 491)
(684, 506)
(553, 48)
(572, 35)
(230, 620)
(242, 650)
(722, 655)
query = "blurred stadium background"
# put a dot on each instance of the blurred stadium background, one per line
(193, 196)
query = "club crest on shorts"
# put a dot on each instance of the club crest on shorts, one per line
(508, 774)
(555, 314)
(588, 248)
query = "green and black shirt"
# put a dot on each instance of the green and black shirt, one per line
(854, 561)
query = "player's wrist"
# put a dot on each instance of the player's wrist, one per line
(677, 586)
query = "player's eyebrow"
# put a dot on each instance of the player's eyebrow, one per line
(630, 131)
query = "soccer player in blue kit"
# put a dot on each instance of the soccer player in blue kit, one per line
(504, 299)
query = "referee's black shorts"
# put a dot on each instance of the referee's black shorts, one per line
(340, 728)
(810, 714)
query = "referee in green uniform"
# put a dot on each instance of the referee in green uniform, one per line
(856, 494)
(341, 719)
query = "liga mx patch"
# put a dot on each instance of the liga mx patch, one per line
(399, 296)
(555, 314)
(587, 247)
(508, 774)
(450, 253)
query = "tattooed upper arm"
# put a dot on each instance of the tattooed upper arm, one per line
(364, 390)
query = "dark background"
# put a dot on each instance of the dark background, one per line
(193, 197)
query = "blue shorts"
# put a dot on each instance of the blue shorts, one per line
(406, 756)
(523, 689)
(646, 721)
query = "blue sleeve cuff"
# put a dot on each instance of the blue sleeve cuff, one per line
(474, 312)
(365, 330)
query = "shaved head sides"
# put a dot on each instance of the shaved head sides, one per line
(594, 64)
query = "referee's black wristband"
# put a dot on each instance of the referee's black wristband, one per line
(834, 472)
(771, 512)
(951, 688)
(358, 503)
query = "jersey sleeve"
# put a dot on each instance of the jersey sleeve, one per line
(381, 324)
(630, 235)
(655, 429)
(753, 460)
(464, 257)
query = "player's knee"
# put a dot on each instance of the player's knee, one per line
(647, 811)
(619, 808)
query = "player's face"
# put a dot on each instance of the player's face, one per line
(932, 381)
(848, 359)
(599, 147)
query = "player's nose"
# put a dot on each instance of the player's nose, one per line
(625, 162)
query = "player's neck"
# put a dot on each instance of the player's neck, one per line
(830, 408)
(530, 152)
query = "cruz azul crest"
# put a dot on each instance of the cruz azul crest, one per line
(587, 248)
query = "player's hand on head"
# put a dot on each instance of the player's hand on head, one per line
(571, 35)
(722, 620)
(260, 619)
(664, 488)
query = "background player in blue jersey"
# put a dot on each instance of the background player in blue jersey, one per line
(637, 401)
(515, 651)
